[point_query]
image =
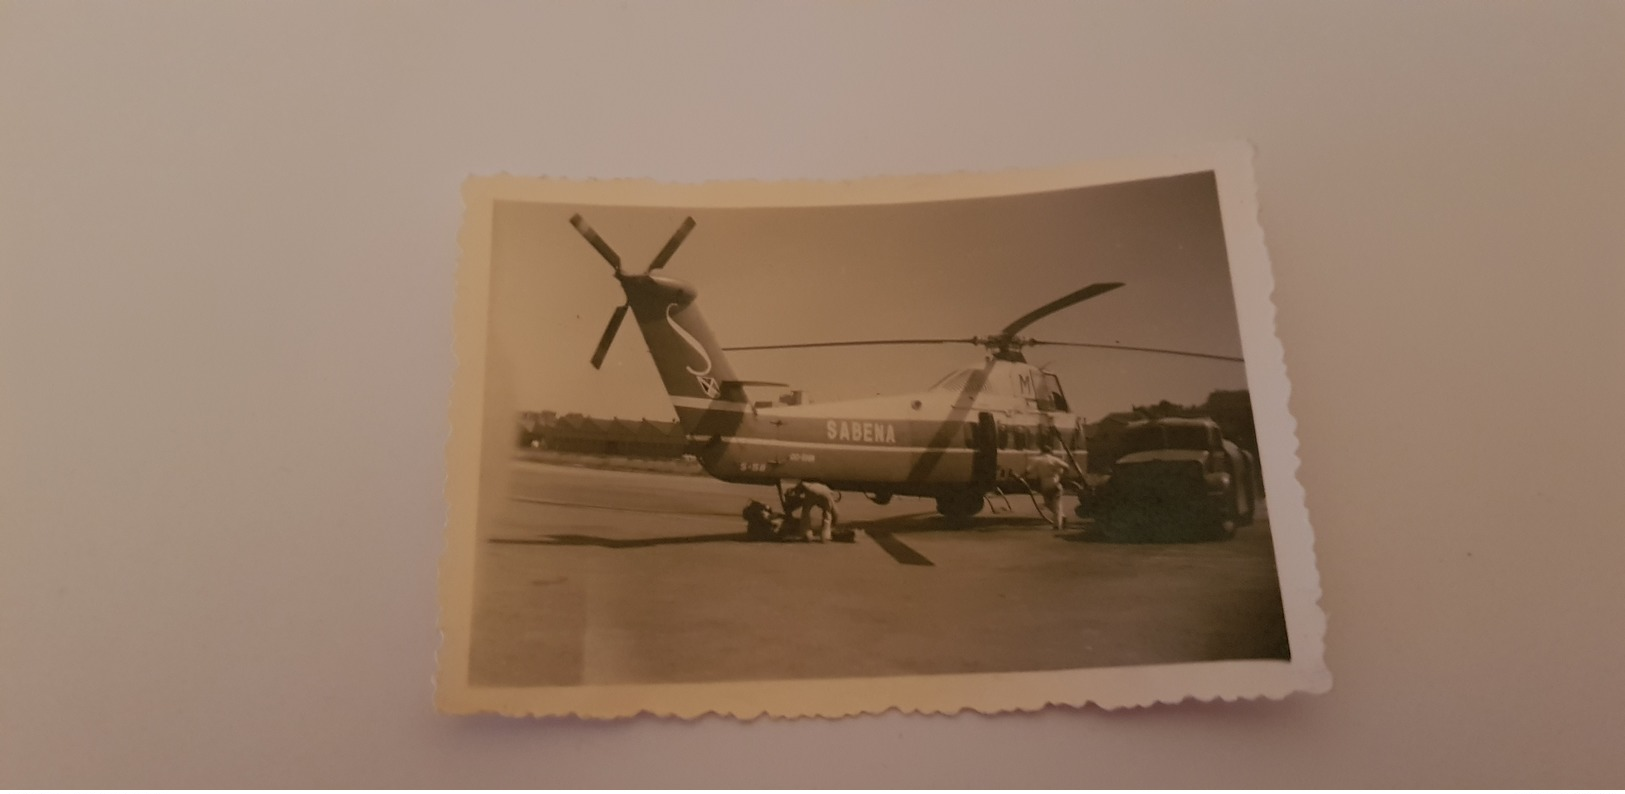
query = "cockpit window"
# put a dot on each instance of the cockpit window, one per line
(1057, 398)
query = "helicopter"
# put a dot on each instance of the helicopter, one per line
(968, 436)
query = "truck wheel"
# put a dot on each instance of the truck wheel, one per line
(1219, 521)
(1088, 503)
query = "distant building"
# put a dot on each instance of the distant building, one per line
(586, 435)
(1105, 438)
(1231, 410)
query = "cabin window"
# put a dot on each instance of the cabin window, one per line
(1056, 397)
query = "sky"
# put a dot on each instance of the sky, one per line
(941, 269)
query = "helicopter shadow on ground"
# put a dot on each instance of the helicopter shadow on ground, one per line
(885, 532)
(893, 546)
(1091, 530)
(882, 532)
(1175, 536)
(625, 543)
(917, 523)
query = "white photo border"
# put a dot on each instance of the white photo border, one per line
(986, 693)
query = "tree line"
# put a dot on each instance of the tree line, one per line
(1231, 410)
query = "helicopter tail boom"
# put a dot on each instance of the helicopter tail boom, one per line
(692, 365)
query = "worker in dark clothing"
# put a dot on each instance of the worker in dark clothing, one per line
(761, 522)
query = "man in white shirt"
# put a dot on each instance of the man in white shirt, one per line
(1044, 472)
(806, 496)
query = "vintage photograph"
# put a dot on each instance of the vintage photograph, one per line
(934, 443)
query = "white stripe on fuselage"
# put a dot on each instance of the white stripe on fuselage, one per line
(773, 442)
(709, 405)
(922, 406)
(849, 411)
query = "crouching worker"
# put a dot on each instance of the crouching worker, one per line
(809, 495)
(761, 523)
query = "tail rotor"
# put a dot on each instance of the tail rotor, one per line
(609, 336)
(671, 245)
(597, 242)
(614, 260)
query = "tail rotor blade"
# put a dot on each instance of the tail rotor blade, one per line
(608, 337)
(597, 242)
(671, 245)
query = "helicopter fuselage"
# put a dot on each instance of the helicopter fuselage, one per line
(975, 430)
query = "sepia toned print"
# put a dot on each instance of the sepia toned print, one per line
(981, 441)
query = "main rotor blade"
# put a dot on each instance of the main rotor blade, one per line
(1056, 305)
(1138, 349)
(609, 336)
(863, 343)
(597, 242)
(671, 245)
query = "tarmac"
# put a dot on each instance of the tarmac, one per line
(609, 577)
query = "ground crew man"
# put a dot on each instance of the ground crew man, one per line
(806, 496)
(1044, 472)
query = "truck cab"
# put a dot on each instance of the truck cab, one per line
(1176, 479)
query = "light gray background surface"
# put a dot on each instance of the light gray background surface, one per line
(228, 245)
